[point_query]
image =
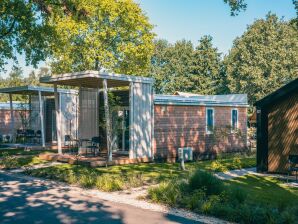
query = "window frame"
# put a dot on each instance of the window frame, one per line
(233, 129)
(206, 119)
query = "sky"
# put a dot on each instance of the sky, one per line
(191, 19)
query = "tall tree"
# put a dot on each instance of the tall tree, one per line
(116, 35)
(206, 68)
(263, 58)
(29, 28)
(171, 66)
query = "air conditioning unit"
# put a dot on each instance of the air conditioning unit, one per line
(185, 153)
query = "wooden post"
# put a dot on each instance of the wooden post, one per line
(58, 123)
(107, 116)
(41, 119)
(11, 117)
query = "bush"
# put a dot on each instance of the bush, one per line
(8, 161)
(217, 166)
(207, 181)
(167, 192)
(86, 180)
(236, 195)
(109, 183)
(135, 180)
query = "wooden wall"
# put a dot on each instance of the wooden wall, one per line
(185, 126)
(282, 133)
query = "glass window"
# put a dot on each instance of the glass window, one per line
(234, 119)
(209, 120)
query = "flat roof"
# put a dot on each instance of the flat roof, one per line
(33, 90)
(237, 100)
(93, 79)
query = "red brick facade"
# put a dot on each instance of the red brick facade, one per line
(5, 121)
(185, 126)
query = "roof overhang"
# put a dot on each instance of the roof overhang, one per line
(93, 79)
(33, 90)
(229, 100)
(281, 93)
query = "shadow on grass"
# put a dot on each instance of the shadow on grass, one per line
(266, 190)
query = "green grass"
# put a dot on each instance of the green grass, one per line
(134, 175)
(265, 190)
(22, 152)
(247, 199)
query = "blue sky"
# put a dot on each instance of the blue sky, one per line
(191, 19)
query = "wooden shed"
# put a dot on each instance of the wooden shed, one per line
(277, 128)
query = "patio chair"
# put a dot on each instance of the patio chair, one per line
(94, 145)
(293, 162)
(38, 136)
(30, 135)
(20, 135)
(71, 143)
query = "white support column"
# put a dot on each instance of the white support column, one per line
(131, 122)
(41, 119)
(11, 117)
(107, 116)
(58, 123)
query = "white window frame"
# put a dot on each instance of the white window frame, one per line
(237, 122)
(206, 119)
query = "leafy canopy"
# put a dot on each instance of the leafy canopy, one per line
(115, 35)
(264, 58)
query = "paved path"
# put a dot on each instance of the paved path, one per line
(28, 201)
(236, 173)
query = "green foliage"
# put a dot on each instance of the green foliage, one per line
(206, 181)
(233, 203)
(180, 67)
(8, 161)
(264, 58)
(116, 35)
(109, 183)
(206, 68)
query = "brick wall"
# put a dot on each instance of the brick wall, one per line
(185, 126)
(5, 121)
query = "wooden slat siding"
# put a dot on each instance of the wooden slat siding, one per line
(282, 133)
(5, 120)
(185, 126)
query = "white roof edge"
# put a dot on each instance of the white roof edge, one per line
(228, 99)
(96, 74)
(35, 88)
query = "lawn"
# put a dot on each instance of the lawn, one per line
(22, 152)
(265, 190)
(134, 175)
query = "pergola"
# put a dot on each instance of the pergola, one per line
(39, 91)
(140, 100)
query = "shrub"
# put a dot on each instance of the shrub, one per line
(135, 180)
(210, 204)
(8, 161)
(109, 183)
(236, 164)
(217, 166)
(207, 181)
(195, 200)
(86, 180)
(236, 195)
(167, 192)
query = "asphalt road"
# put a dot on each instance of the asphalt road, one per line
(24, 201)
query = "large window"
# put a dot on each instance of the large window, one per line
(234, 119)
(209, 120)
